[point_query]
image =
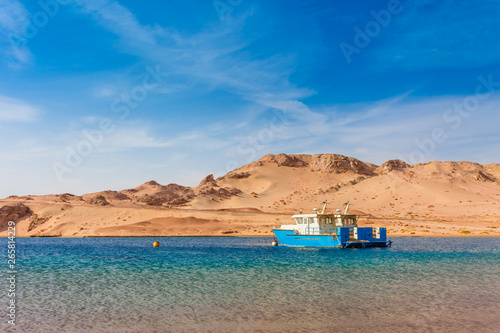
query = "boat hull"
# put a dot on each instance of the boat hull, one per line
(342, 238)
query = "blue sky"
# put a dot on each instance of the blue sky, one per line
(98, 94)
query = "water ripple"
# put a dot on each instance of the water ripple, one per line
(245, 285)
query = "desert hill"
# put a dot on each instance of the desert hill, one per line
(434, 198)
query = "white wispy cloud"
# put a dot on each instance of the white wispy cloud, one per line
(14, 19)
(122, 138)
(132, 136)
(105, 91)
(212, 58)
(14, 110)
(13, 16)
(118, 19)
(379, 131)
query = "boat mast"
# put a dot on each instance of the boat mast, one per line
(324, 207)
(346, 207)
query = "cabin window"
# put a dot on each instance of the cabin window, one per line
(329, 220)
(349, 221)
(314, 220)
(305, 220)
(299, 220)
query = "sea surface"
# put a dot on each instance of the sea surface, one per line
(246, 285)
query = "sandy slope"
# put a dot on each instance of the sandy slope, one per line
(431, 199)
(81, 220)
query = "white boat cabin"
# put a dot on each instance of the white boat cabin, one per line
(320, 222)
(305, 221)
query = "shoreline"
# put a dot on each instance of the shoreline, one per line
(41, 218)
(248, 236)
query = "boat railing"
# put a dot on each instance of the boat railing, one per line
(321, 231)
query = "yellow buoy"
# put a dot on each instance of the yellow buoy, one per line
(156, 244)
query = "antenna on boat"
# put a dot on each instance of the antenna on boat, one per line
(346, 207)
(324, 207)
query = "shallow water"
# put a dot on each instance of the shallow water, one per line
(245, 285)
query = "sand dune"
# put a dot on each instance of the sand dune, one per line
(435, 198)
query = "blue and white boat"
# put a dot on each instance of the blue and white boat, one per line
(330, 230)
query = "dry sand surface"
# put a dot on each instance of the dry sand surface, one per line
(431, 199)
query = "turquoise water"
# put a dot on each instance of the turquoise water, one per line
(245, 285)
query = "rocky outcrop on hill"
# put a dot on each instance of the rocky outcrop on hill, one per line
(340, 164)
(482, 177)
(109, 197)
(149, 200)
(98, 200)
(209, 188)
(14, 213)
(16, 197)
(36, 221)
(222, 192)
(283, 160)
(67, 197)
(337, 164)
(238, 175)
(392, 165)
(456, 171)
(330, 163)
(155, 194)
(208, 180)
(149, 183)
(115, 195)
